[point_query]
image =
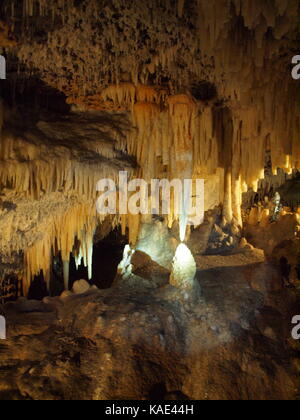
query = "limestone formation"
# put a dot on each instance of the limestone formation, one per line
(142, 62)
(184, 269)
(160, 92)
(80, 287)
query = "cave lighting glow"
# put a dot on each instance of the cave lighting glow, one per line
(183, 254)
(184, 268)
(182, 226)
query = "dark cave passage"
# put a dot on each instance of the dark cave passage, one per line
(107, 255)
(38, 288)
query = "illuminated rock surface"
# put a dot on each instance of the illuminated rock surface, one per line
(163, 89)
(120, 343)
(183, 269)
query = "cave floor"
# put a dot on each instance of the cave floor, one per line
(134, 343)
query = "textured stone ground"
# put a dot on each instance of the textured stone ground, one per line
(150, 343)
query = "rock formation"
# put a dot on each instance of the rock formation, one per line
(162, 90)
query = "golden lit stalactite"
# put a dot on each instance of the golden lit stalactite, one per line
(227, 205)
(253, 147)
(274, 114)
(236, 176)
(151, 94)
(26, 174)
(205, 141)
(25, 169)
(230, 154)
(224, 132)
(79, 223)
(123, 94)
(182, 110)
(145, 144)
(186, 131)
(187, 120)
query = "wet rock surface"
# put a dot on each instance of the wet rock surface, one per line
(135, 343)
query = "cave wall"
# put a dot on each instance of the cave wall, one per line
(48, 174)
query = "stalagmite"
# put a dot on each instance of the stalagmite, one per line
(125, 267)
(184, 269)
(265, 218)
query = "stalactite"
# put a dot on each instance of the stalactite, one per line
(25, 169)
(123, 94)
(78, 223)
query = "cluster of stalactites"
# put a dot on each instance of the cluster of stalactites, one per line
(40, 7)
(235, 33)
(181, 139)
(252, 74)
(119, 50)
(166, 140)
(248, 70)
(257, 16)
(69, 233)
(229, 143)
(29, 173)
(214, 139)
(29, 169)
(166, 132)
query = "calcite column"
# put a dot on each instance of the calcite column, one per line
(182, 110)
